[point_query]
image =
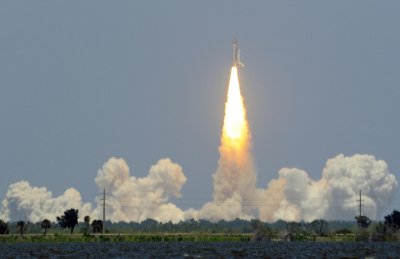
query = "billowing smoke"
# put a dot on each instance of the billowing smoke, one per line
(292, 196)
(128, 198)
(137, 199)
(24, 202)
(295, 196)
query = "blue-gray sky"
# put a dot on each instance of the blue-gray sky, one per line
(81, 81)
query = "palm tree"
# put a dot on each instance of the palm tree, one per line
(97, 226)
(22, 227)
(86, 228)
(4, 228)
(69, 219)
(46, 224)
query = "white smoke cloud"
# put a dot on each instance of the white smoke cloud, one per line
(294, 196)
(235, 193)
(136, 199)
(227, 209)
(128, 198)
(24, 202)
(291, 196)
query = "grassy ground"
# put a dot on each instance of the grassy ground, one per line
(175, 237)
(184, 237)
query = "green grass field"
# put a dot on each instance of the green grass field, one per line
(161, 237)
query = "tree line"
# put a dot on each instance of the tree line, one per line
(69, 220)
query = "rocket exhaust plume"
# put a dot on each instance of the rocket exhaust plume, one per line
(235, 165)
(235, 178)
(235, 132)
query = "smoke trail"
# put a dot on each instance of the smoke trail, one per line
(235, 178)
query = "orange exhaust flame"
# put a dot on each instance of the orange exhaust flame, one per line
(235, 133)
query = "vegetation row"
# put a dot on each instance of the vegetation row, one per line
(362, 229)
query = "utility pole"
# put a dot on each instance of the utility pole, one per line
(360, 204)
(362, 221)
(104, 211)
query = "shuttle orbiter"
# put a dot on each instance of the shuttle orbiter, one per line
(236, 54)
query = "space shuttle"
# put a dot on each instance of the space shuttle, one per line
(236, 54)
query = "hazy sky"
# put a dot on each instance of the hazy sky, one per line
(81, 81)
